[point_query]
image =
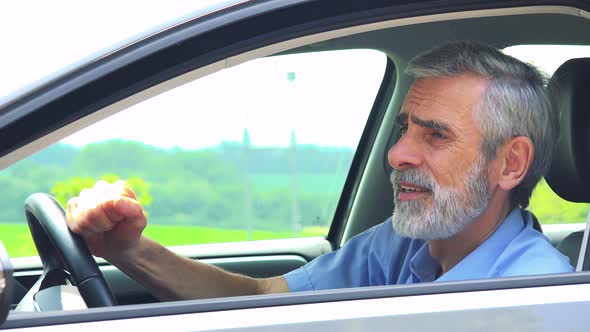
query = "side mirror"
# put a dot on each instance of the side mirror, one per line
(6, 284)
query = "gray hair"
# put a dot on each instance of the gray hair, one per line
(515, 103)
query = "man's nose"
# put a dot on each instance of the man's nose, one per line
(405, 154)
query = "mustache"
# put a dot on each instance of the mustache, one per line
(411, 175)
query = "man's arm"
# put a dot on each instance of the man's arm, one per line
(171, 277)
(111, 221)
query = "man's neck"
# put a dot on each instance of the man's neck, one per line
(449, 252)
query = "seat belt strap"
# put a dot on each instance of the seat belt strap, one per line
(584, 246)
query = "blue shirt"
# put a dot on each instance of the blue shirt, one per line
(379, 256)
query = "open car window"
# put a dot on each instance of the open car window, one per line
(257, 151)
(557, 215)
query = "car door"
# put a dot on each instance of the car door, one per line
(290, 175)
(246, 31)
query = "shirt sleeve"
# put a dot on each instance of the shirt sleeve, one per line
(346, 267)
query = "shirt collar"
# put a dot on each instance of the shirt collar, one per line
(424, 268)
(478, 263)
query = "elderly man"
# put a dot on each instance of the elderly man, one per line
(477, 132)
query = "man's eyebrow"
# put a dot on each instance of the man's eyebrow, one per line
(431, 124)
(402, 119)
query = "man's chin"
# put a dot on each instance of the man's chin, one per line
(416, 227)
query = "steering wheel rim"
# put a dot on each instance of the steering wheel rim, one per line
(62, 250)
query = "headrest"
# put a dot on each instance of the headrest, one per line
(569, 175)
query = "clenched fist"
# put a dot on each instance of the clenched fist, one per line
(108, 217)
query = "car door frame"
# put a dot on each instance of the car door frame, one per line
(22, 122)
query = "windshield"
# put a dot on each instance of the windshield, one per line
(41, 38)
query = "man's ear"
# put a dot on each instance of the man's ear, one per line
(516, 158)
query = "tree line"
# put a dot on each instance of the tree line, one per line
(227, 186)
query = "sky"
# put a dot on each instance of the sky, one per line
(39, 37)
(326, 104)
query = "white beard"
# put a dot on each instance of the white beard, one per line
(452, 209)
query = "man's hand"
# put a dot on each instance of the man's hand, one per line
(111, 220)
(108, 217)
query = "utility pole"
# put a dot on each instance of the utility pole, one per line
(295, 216)
(247, 179)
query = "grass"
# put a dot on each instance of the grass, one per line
(18, 242)
(183, 235)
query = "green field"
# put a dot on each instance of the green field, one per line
(17, 239)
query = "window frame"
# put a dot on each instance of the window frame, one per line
(75, 86)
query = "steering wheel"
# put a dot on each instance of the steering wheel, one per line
(62, 251)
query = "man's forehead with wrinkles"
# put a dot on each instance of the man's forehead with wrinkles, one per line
(444, 103)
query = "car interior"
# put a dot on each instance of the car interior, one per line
(366, 199)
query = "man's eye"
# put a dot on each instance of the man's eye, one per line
(438, 135)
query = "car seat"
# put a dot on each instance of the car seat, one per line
(569, 174)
